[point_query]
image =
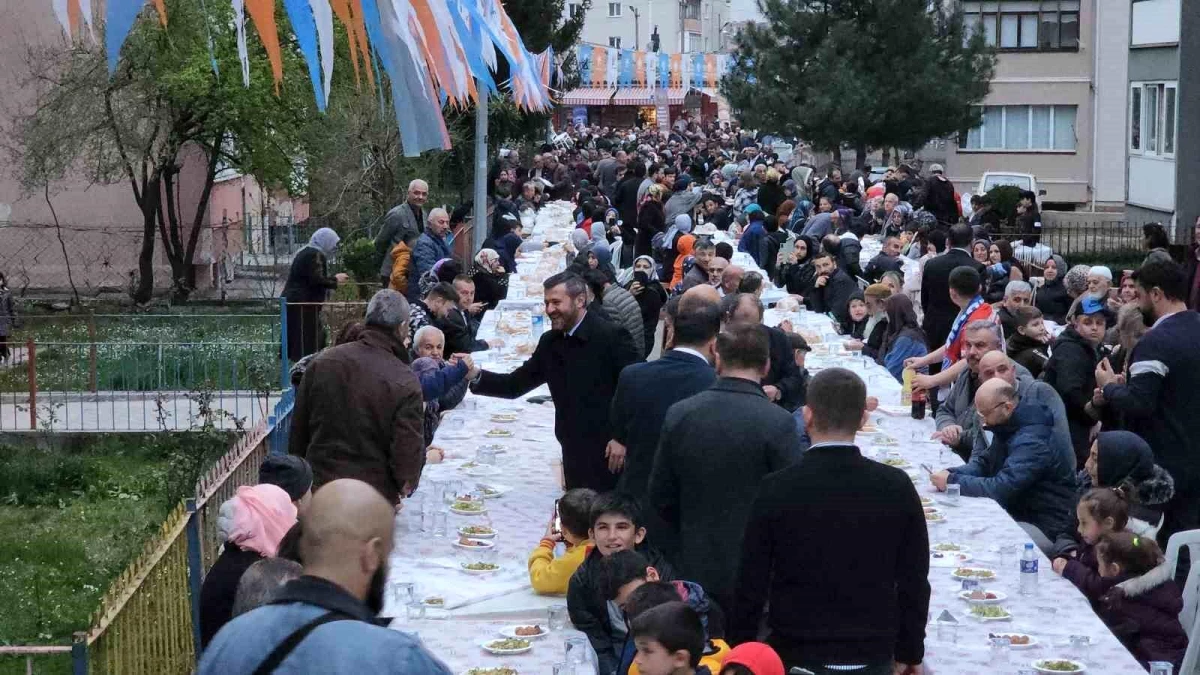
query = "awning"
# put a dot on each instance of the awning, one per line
(588, 96)
(634, 96)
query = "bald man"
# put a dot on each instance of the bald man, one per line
(408, 216)
(731, 279)
(1021, 469)
(346, 541)
(433, 244)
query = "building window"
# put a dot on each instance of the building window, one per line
(1024, 127)
(614, 9)
(1153, 108)
(691, 10)
(692, 42)
(614, 42)
(575, 10)
(1032, 25)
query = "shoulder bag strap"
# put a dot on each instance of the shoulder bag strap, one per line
(289, 644)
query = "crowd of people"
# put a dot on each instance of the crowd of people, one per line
(689, 478)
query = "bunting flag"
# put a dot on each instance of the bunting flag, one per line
(697, 70)
(584, 59)
(664, 70)
(639, 68)
(651, 70)
(323, 21)
(262, 13)
(599, 65)
(710, 70)
(85, 17)
(610, 68)
(674, 68)
(119, 17)
(239, 20)
(304, 25)
(471, 39)
(625, 68)
(685, 70)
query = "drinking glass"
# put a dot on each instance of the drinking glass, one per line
(1000, 650)
(576, 649)
(439, 523)
(557, 617)
(415, 611)
(1079, 645)
(953, 491)
(428, 520)
(1008, 556)
(1161, 668)
(563, 668)
(404, 593)
(947, 632)
(485, 455)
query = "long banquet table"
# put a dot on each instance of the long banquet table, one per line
(528, 468)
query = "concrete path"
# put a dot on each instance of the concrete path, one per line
(131, 411)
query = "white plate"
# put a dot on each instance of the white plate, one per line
(1033, 642)
(504, 652)
(927, 501)
(511, 632)
(460, 512)
(482, 471)
(1001, 596)
(505, 418)
(894, 462)
(482, 669)
(462, 533)
(498, 433)
(990, 619)
(484, 545)
(497, 490)
(1079, 666)
(961, 549)
(462, 566)
(934, 518)
(982, 579)
(426, 602)
(455, 435)
(948, 559)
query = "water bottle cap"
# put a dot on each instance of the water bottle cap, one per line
(1028, 546)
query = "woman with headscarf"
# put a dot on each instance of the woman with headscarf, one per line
(307, 286)
(641, 280)
(751, 240)
(683, 240)
(798, 274)
(490, 277)
(251, 524)
(601, 253)
(1051, 296)
(904, 338)
(652, 219)
(979, 250)
(716, 184)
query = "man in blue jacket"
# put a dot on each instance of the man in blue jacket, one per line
(432, 245)
(1022, 469)
(325, 621)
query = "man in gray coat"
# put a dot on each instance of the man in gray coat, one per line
(407, 216)
(958, 425)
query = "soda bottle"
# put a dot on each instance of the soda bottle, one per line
(906, 388)
(1029, 571)
(918, 404)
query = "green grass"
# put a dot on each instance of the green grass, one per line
(72, 520)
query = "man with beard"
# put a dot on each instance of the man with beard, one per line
(580, 359)
(345, 545)
(1160, 402)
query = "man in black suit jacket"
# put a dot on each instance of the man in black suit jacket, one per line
(832, 288)
(580, 359)
(939, 309)
(827, 608)
(646, 390)
(784, 381)
(715, 449)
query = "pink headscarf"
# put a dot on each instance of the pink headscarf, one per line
(262, 514)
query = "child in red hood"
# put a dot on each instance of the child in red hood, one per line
(752, 658)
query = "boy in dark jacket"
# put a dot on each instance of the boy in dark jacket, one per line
(616, 525)
(1027, 342)
(1071, 370)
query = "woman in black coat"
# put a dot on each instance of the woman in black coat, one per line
(307, 286)
(490, 277)
(1052, 297)
(652, 219)
(642, 281)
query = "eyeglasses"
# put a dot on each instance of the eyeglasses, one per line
(983, 415)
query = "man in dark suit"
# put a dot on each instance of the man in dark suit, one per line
(939, 309)
(646, 390)
(827, 608)
(784, 380)
(580, 359)
(409, 216)
(715, 449)
(832, 288)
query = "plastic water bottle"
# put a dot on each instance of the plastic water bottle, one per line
(1161, 668)
(538, 320)
(1029, 571)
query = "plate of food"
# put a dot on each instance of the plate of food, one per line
(469, 544)
(949, 547)
(1058, 666)
(990, 613)
(494, 447)
(479, 567)
(526, 632)
(499, 433)
(934, 517)
(974, 573)
(505, 418)
(491, 491)
(868, 428)
(939, 559)
(885, 441)
(464, 508)
(897, 462)
(982, 596)
(1016, 640)
(455, 434)
(506, 646)
(477, 532)
(926, 501)
(501, 670)
(474, 468)
(435, 601)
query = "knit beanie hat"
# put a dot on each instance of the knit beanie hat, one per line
(289, 472)
(758, 657)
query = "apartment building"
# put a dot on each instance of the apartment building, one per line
(1163, 113)
(1057, 101)
(683, 25)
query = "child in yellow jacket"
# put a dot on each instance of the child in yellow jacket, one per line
(403, 268)
(549, 575)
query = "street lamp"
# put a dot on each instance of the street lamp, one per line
(636, 25)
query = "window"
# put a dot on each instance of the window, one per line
(1047, 25)
(692, 42)
(614, 42)
(691, 10)
(1024, 127)
(575, 9)
(614, 9)
(1153, 109)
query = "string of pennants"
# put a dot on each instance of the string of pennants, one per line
(605, 66)
(432, 51)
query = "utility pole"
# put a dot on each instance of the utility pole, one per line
(637, 24)
(480, 231)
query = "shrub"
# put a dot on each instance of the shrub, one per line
(1005, 198)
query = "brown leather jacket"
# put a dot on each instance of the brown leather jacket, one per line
(359, 414)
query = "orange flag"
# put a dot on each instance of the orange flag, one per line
(262, 12)
(342, 9)
(161, 6)
(74, 17)
(360, 33)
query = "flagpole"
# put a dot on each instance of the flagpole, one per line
(481, 171)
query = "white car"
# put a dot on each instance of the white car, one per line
(991, 179)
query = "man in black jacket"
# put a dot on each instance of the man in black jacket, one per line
(644, 393)
(580, 359)
(728, 436)
(784, 381)
(939, 197)
(831, 289)
(887, 260)
(829, 608)
(939, 309)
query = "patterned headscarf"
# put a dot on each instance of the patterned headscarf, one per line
(488, 260)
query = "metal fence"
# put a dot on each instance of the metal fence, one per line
(147, 623)
(1116, 238)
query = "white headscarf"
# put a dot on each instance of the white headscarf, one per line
(682, 225)
(325, 240)
(627, 274)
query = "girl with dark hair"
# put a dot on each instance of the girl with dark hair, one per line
(1002, 268)
(904, 338)
(1154, 236)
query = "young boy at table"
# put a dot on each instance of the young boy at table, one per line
(549, 575)
(616, 525)
(631, 583)
(669, 641)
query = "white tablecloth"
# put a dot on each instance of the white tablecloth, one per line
(530, 467)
